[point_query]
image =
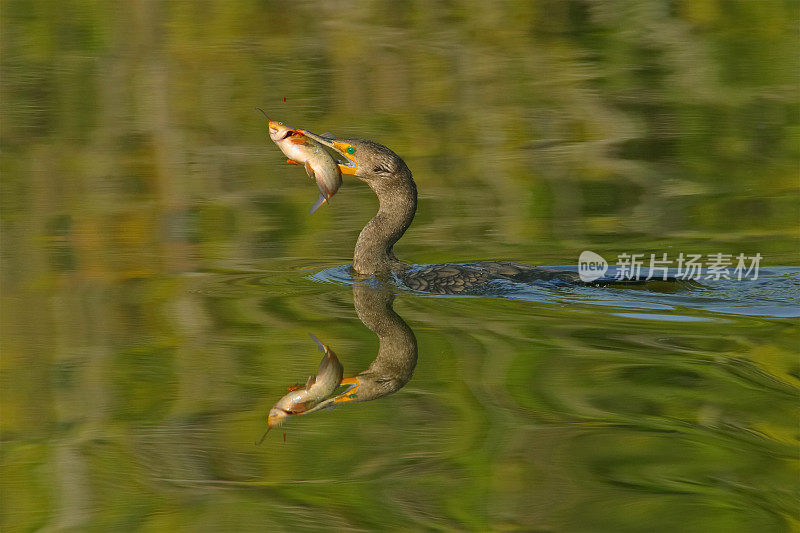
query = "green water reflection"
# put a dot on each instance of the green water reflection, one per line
(156, 255)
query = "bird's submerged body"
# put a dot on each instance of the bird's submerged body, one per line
(467, 278)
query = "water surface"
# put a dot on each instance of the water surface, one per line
(160, 274)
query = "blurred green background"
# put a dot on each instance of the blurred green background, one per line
(156, 248)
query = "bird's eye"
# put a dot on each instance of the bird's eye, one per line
(351, 150)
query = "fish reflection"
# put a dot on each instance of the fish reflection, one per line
(388, 373)
(317, 388)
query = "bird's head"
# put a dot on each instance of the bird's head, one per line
(369, 161)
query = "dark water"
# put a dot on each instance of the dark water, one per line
(160, 274)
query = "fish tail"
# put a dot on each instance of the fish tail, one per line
(319, 343)
(321, 200)
(324, 190)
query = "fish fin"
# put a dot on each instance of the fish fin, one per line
(294, 387)
(324, 190)
(321, 200)
(311, 380)
(292, 162)
(310, 171)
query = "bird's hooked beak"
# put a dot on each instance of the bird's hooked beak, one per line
(343, 148)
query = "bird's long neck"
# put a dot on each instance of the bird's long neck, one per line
(398, 204)
(397, 349)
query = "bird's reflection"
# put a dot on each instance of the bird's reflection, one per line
(388, 373)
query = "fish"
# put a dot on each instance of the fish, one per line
(318, 388)
(302, 150)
